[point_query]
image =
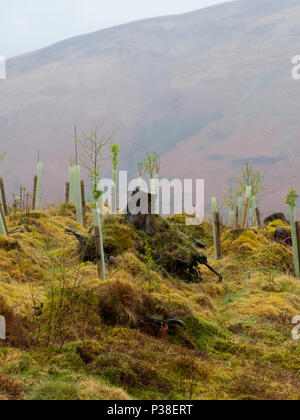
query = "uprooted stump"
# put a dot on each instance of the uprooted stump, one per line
(171, 251)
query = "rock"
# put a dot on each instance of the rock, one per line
(283, 236)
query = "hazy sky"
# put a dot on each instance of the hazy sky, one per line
(26, 25)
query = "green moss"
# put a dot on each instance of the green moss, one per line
(271, 228)
(9, 244)
(235, 329)
(135, 375)
(65, 210)
(204, 333)
(54, 389)
(274, 256)
(118, 238)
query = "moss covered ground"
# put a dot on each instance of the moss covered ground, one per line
(71, 336)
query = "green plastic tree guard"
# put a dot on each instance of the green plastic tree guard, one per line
(97, 222)
(154, 184)
(214, 211)
(295, 241)
(240, 206)
(231, 218)
(38, 186)
(248, 192)
(78, 197)
(2, 227)
(115, 177)
(71, 181)
(1, 199)
(251, 215)
(115, 191)
(247, 203)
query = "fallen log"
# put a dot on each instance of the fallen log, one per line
(12, 232)
(79, 237)
(189, 269)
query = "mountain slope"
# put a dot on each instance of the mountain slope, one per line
(208, 89)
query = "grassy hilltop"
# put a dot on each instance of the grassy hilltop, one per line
(71, 336)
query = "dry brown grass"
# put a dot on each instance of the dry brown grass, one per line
(17, 333)
(10, 389)
(122, 303)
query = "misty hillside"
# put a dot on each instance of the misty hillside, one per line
(208, 89)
